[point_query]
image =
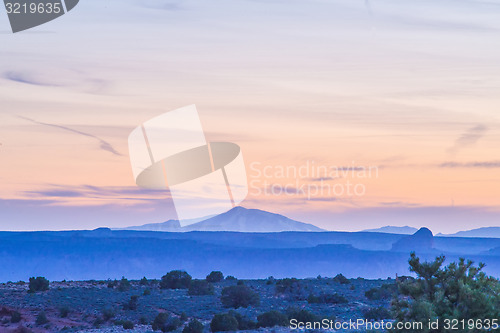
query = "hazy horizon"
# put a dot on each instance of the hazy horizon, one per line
(410, 88)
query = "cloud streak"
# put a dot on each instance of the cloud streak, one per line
(479, 165)
(95, 192)
(104, 145)
(20, 77)
(469, 138)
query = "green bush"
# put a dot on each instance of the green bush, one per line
(38, 284)
(124, 284)
(327, 299)
(175, 280)
(15, 317)
(132, 303)
(377, 314)
(200, 287)
(223, 322)
(239, 296)
(289, 286)
(194, 326)
(107, 314)
(146, 292)
(163, 322)
(144, 282)
(112, 284)
(215, 276)
(271, 319)
(301, 315)
(41, 319)
(458, 291)
(98, 322)
(160, 321)
(64, 312)
(339, 278)
(386, 291)
(128, 325)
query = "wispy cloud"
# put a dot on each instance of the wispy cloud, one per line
(322, 179)
(26, 78)
(469, 138)
(95, 192)
(482, 164)
(104, 145)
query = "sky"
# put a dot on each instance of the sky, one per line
(390, 108)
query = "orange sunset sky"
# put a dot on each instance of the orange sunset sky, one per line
(411, 88)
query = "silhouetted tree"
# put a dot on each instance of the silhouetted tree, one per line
(175, 280)
(223, 322)
(239, 296)
(215, 276)
(38, 284)
(459, 291)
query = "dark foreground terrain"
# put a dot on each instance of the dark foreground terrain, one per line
(108, 306)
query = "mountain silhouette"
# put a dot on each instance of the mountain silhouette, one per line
(238, 219)
(421, 241)
(485, 232)
(406, 230)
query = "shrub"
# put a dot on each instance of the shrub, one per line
(128, 325)
(215, 276)
(327, 299)
(41, 319)
(288, 286)
(385, 291)
(144, 281)
(175, 280)
(98, 322)
(194, 326)
(112, 284)
(271, 319)
(124, 284)
(339, 278)
(38, 284)
(301, 315)
(231, 278)
(107, 314)
(223, 322)
(239, 296)
(200, 287)
(459, 291)
(377, 314)
(183, 317)
(160, 321)
(164, 323)
(146, 292)
(132, 303)
(15, 317)
(244, 323)
(63, 312)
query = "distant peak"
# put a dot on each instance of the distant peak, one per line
(102, 229)
(238, 209)
(424, 232)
